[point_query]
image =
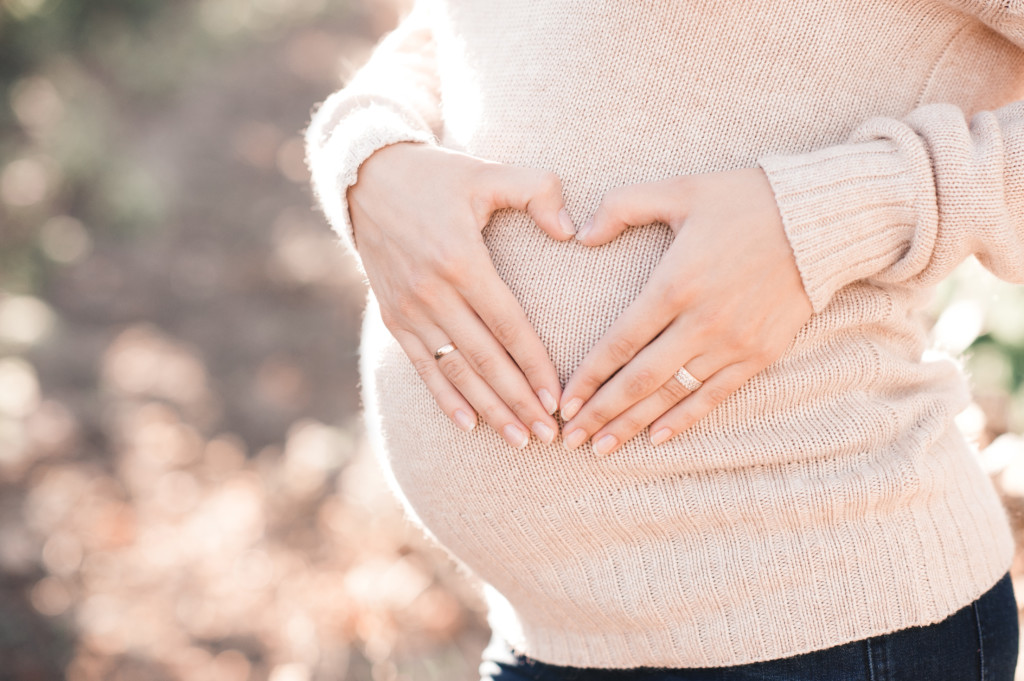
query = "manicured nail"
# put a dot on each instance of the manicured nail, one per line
(605, 444)
(548, 400)
(661, 436)
(575, 438)
(515, 436)
(582, 234)
(569, 410)
(566, 222)
(543, 431)
(464, 420)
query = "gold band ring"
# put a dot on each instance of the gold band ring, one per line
(444, 350)
(687, 379)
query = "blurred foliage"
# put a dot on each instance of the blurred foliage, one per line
(31, 31)
(185, 490)
(983, 318)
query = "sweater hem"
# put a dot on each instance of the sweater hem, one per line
(929, 596)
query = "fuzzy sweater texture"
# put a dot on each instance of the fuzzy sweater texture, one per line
(832, 497)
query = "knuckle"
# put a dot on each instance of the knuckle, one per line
(616, 198)
(750, 341)
(406, 306)
(483, 361)
(455, 370)
(550, 183)
(716, 394)
(674, 391)
(749, 345)
(736, 346)
(505, 331)
(492, 414)
(591, 383)
(424, 367)
(530, 367)
(675, 292)
(762, 356)
(449, 266)
(641, 384)
(621, 349)
(629, 425)
(601, 415)
(711, 319)
(482, 203)
(390, 320)
(421, 288)
(519, 405)
(452, 263)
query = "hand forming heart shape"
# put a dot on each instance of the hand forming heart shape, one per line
(724, 302)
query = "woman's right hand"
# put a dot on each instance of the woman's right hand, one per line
(417, 212)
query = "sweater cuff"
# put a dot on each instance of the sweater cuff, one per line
(334, 162)
(849, 211)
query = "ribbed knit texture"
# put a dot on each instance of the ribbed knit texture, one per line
(831, 498)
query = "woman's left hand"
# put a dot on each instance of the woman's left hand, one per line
(725, 301)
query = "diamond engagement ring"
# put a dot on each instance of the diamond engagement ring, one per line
(444, 350)
(687, 379)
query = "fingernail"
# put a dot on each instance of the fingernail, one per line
(548, 400)
(661, 436)
(464, 420)
(575, 438)
(582, 234)
(543, 431)
(566, 222)
(570, 409)
(605, 444)
(515, 436)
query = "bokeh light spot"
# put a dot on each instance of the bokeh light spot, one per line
(23, 9)
(65, 239)
(25, 182)
(958, 326)
(50, 597)
(24, 321)
(294, 671)
(37, 105)
(291, 160)
(19, 387)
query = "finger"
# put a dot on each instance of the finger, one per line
(490, 360)
(501, 312)
(632, 205)
(457, 370)
(447, 397)
(493, 410)
(699, 404)
(630, 422)
(538, 192)
(624, 395)
(642, 321)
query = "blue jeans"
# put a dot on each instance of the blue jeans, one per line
(976, 643)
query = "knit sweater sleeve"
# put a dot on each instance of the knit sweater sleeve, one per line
(905, 201)
(394, 97)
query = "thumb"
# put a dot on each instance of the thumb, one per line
(630, 205)
(539, 193)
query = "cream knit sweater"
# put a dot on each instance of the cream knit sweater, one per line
(831, 498)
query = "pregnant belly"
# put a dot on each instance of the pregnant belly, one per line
(797, 409)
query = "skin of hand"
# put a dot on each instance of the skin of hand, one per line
(725, 301)
(417, 213)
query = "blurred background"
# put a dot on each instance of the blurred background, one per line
(185, 487)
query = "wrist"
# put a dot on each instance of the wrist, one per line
(380, 166)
